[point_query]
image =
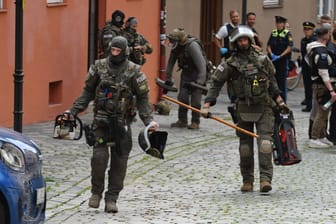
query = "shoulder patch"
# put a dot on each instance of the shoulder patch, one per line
(141, 78)
(91, 70)
(220, 67)
(323, 56)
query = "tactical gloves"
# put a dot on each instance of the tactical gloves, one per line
(283, 108)
(168, 83)
(153, 125)
(205, 112)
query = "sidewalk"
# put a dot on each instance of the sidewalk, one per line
(198, 182)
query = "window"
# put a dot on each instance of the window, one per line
(1, 4)
(55, 1)
(272, 3)
(325, 7)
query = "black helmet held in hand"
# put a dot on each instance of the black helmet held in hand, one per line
(153, 143)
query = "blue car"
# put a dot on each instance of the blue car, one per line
(22, 186)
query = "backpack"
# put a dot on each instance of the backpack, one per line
(210, 68)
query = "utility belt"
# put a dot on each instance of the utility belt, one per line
(104, 119)
(114, 128)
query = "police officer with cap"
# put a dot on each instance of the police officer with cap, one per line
(111, 29)
(279, 47)
(309, 36)
(112, 83)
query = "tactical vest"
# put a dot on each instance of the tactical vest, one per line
(226, 40)
(108, 32)
(322, 51)
(250, 81)
(133, 40)
(114, 94)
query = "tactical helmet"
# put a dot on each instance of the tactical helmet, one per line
(177, 36)
(163, 107)
(153, 143)
(118, 18)
(241, 31)
(131, 21)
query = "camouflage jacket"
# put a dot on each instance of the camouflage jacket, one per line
(115, 90)
(107, 33)
(135, 40)
(251, 76)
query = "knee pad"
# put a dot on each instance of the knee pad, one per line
(245, 151)
(266, 146)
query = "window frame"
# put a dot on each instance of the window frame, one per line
(2, 4)
(55, 2)
(272, 4)
(331, 7)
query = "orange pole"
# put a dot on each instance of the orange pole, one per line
(211, 116)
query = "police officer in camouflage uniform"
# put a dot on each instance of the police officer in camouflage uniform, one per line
(138, 44)
(189, 56)
(255, 87)
(113, 83)
(111, 29)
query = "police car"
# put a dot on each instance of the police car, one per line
(22, 186)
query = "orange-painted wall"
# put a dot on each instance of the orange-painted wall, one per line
(148, 14)
(55, 47)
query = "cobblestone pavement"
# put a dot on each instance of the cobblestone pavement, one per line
(198, 182)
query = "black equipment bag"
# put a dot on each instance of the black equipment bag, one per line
(285, 150)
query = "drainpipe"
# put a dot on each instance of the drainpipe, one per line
(18, 74)
(244, 6)
(162, 74)
(92, 40)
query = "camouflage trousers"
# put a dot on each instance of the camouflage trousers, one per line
(265, 129)
(118, 164)
(192, 98)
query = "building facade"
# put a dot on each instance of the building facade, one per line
(60, 41)
(57, 50)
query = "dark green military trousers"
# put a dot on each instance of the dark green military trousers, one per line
(118, 163)
(192, 97)
(264, 126)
